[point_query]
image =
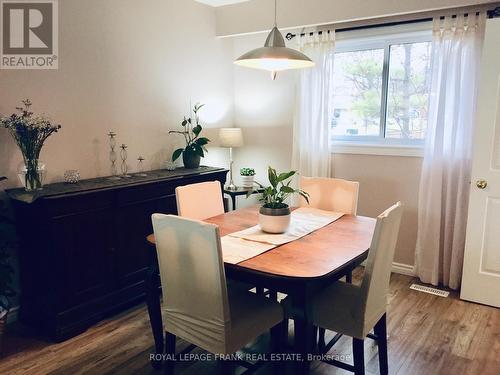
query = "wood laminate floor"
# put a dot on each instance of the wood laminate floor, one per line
(427, 335)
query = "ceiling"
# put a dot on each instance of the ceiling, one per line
(219, 3)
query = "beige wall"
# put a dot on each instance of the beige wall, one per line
(264, 109)
(383, 181)
(135, 69)
(125, 65)
(258, 15)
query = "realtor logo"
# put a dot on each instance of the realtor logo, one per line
(28, 34)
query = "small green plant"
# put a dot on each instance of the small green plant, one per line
(191, 132)
(275, 195)
(247, 172)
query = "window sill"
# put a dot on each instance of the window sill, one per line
(339, 147)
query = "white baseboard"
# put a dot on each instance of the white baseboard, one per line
(403, 269)
(12, 317)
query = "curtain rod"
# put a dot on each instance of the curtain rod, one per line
(493, 13)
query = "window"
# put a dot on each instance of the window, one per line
(381, 89)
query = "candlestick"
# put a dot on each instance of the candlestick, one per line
(123, 156)
(112, 156)
(140, 167)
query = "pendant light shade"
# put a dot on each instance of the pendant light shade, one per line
(274, 56)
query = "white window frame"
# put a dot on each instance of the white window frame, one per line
(380, 38)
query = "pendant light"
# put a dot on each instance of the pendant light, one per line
(274, 56)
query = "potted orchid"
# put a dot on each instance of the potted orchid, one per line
(30, 133)
(195, 145)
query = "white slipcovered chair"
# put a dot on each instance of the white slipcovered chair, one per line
(197, 306)
(199, 201)
(354, 310)
(331, 194)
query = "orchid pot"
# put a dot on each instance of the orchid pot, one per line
(190, 158)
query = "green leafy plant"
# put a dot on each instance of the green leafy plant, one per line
(7, 234)
(247, 172)
(191, 132)
(275, 195)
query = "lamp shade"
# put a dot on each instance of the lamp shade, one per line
(274, 56)
(230, 137)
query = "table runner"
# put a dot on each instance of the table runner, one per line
(248, 243)
(236, 250)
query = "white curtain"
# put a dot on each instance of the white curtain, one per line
(444, 184)
(311, 153)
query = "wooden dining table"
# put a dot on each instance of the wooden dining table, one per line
(298, 268)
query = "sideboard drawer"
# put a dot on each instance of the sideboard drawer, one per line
(73, 204)
(151, 191)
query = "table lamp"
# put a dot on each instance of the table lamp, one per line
(229, 138)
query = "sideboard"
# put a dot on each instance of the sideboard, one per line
(82, 249)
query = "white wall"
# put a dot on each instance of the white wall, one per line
(133, 67)
(258, 15)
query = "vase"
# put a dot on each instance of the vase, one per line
(32, 174)
(247, 181)
(191, 160)
(274, 220)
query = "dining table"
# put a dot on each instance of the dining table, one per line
(298, 269)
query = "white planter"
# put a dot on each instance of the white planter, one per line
(274, 220)
(247, 181)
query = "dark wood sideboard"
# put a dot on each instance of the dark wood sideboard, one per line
(82, 246)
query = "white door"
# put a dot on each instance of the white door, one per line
(481, 271)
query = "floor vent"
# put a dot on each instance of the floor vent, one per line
(427, 289)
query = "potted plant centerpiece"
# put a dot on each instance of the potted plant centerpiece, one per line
(195, 145)
(274, 215)
(30, 133)
(247, 176)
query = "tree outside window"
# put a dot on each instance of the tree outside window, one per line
(373, 103)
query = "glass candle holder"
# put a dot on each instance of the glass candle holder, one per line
(123, 156)
(140, 166)
(112, 156)
(71, 176)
